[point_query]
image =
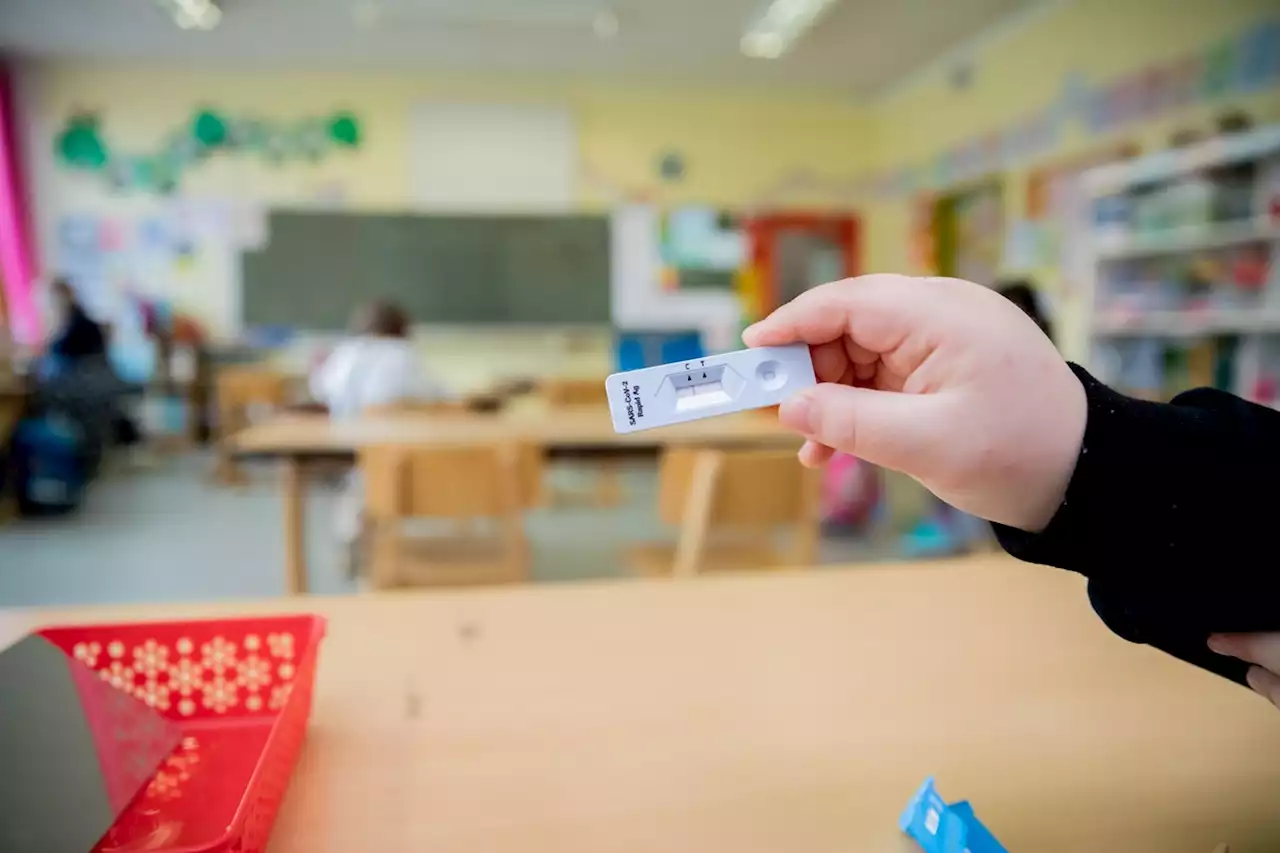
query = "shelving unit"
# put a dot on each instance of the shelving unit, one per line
(1189, 238)
(1183, 253)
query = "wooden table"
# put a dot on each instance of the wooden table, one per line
(788, 712)
(296, 439)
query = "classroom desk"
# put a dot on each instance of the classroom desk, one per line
(316, 436)
(296, 439)
(793, 711)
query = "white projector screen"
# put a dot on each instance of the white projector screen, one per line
(492, 158)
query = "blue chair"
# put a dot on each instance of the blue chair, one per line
(636, 350)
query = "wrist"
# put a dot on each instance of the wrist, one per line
(1063, 429)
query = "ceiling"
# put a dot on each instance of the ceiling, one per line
(860, 46)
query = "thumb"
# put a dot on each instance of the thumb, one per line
(887, 428)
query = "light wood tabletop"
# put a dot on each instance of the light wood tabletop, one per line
(312, 434)
(296, 438)
(796, 711)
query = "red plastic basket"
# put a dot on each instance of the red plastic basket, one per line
(241, 691)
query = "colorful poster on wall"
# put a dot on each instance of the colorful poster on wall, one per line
(979, 233)
(81, 256)
(1057, 202)
(923, 237)
(701, 248)
(1028, 247)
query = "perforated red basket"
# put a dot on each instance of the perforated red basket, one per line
(241, 691)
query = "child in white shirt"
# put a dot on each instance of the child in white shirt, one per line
(378, 367)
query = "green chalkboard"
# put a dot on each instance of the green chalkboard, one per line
(317, 267)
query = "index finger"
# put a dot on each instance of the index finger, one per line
(875, 311)
(1262, 649)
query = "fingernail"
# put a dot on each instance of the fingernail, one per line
(798, 414)
(1219, 644)
(1257, 679)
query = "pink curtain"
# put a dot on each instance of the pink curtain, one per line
(17, 272)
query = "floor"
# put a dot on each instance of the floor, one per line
(167, 535)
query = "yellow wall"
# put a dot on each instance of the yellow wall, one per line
(735, 146)
(738, 147)
(1013, 77)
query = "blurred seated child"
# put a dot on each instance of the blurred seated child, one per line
(379, 366)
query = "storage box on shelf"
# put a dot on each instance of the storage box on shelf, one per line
(1184, 260)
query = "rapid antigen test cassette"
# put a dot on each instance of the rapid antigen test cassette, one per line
(705, 387)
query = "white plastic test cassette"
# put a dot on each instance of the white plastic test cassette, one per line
(706, 387)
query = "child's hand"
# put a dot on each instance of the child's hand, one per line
(1260, 649)
(941, 379)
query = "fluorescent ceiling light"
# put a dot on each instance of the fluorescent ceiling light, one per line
(780, 25)
(192, 14)
(605, 24)
(366, 14)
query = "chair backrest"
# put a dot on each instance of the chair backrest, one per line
(747, 488)
(461, 482)
(238, 387)
(575, 392)
(420, 407)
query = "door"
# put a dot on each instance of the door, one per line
(791, 253)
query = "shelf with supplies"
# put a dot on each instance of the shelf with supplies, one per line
(1191, 323)
(1174, 163)
(1187, 238)
(1183, 261)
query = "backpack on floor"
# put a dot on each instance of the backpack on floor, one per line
(49, 466)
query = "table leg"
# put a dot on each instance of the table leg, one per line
(295, 539)
(609, 482)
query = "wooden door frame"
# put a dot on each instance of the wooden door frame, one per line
(763, 230)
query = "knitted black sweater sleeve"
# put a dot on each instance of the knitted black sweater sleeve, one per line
(1172, 516)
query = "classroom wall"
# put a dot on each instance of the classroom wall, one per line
(742, 150)
(1019, 71)
(736, 145)
(738, 149)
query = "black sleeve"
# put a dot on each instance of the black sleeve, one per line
(1169, 515)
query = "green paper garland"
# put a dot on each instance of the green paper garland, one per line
(81, 146)
(209, 129)
(344, 129)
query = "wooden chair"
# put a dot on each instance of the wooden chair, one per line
(240, 390)
(458, 484)
(532, 465)
(422, 407)
(580, 394)
(729, 506)
(574, 392)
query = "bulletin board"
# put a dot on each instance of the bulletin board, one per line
(970, 227)
(702, 248)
